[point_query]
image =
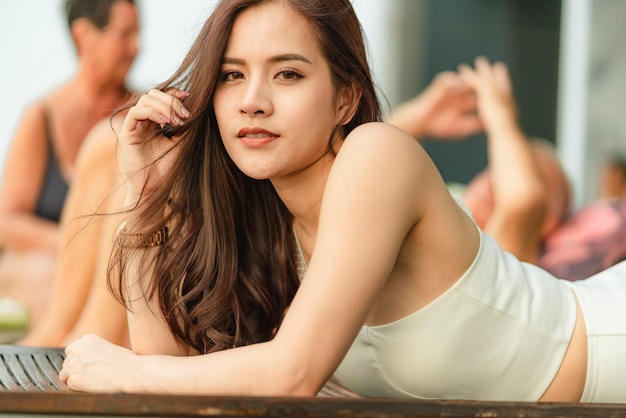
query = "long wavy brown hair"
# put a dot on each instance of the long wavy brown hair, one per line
(227, 272)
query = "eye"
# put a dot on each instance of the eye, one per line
(289, 75)
(129, 33)
(231, 75)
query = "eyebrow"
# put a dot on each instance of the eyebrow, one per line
(274, 59)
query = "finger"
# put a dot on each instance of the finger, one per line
(471, 124)
(454, 84)
(64, 373)
(502, 77)
(481, 63)
(484, 69)
(468, 75)
(178, 93)
(146, 117)
(167, 106)
(448, 80)
(162, 114)
(70, 348)
(137, 117)
(176, 111)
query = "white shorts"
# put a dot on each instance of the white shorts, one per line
(602, 299)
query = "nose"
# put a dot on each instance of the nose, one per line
(256, 99)
(133, 46)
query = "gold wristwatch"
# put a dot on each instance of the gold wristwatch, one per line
(130, 240)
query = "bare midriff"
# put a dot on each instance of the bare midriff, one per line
(569, 382)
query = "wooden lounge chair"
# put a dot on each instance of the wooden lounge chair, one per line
(29, 386)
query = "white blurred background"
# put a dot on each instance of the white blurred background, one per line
(578, 49)
(37, 52)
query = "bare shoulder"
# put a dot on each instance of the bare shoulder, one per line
(33, 119)
(34, 112)
(385, 146)
(383, 138)
(29, 139)
(380, 132)
(100, 145)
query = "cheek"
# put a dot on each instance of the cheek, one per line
(230, 151)
(220, 107)
(318, 110)
(108, 56)
(116, 49)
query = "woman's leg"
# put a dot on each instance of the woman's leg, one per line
(27, 277)
(84, 225)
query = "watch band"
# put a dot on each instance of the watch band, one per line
(131, 240)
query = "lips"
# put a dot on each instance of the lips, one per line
(256, 137)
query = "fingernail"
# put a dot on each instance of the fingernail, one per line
(164, 118)
(178, 120)
(185, 112)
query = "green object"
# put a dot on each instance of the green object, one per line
(13, 316)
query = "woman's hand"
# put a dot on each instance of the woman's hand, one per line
(93, 364)
(446, 109)
(143, 142)
(496, 104)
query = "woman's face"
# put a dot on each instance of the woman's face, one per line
(114, 48)
(276, 106)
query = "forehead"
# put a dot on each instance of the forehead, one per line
(271, 27)
(123, 13)
(480, 185)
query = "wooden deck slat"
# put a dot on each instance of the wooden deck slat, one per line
(6, 378)
(49, 367)
(56, 357)
(40, 372)
(31, 371)
(192, 406)
(14, 365)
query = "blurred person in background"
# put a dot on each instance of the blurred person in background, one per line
(523, 197)
(522, 194)
(40, 163)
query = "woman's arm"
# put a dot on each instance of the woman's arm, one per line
(519, 193)
(374, 196)
(23, 175)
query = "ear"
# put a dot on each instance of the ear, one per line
(82, 30)
(550, 223)
(348, 103)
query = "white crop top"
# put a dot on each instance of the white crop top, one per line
(499, 333)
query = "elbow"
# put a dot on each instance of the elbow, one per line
(527, 205)
(535, 203)
(295, 376)
(300, 392)
(295, 382)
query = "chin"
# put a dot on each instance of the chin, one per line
(256, 174)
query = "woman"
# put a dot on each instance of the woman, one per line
(80, 302)
(271, 154)
(41, 161)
